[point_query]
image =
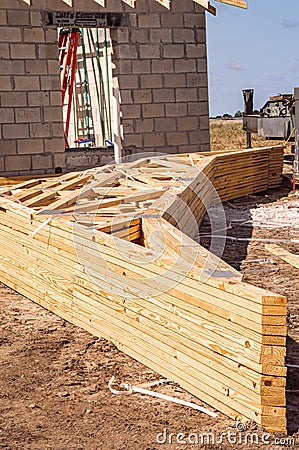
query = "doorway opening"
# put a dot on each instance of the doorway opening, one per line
(85, 58)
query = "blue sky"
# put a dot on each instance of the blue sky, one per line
(255, 48)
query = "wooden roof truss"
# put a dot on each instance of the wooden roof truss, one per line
(110, 249)
(166, 3)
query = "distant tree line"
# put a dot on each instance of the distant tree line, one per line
(237, 115)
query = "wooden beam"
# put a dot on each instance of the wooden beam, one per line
(212, 10)
(203, 3)
(238, 3)
(101, 2)
(131, 3)
(165, 3)
(283, 254)
(207, 5)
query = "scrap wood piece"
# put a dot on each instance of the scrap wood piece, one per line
(283, 254)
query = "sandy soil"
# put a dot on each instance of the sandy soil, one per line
(54, 376)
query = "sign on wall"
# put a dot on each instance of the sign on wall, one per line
(81, 19)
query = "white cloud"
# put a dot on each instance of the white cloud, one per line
(216, 79)
(236, 66)
(287, 24)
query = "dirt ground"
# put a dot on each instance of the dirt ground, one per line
(54, 376)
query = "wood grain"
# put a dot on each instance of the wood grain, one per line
(111, 250)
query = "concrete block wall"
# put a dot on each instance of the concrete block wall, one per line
(160, 65)
(31, 130)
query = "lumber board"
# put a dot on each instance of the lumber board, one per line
(67, 261)
(256, 312)
(283, 254)
(101, 248)
(79, 309)
(240, 349)
(201, 355)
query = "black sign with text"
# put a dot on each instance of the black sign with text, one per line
(82, 19)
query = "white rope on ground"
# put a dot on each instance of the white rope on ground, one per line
(130, 389)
